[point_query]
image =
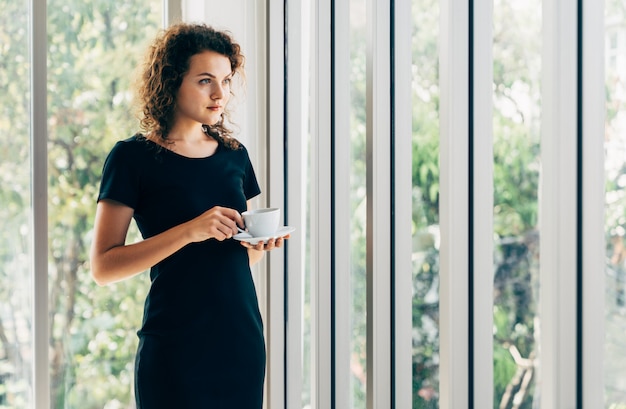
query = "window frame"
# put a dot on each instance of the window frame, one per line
(475, 354)
(592, 108)
(467, 275)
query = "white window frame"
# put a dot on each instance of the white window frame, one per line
(455, 269)
(322, 370)
(557, 214)
(482, 206)
(402, 161)
(454, 201)
(593, 204)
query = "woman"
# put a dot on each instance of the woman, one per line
(186, 180)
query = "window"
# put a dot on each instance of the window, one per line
(516, 124)
(615, 218)
(327, 326)
(425, 195)
(92, 52)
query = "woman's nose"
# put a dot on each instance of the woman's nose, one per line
(218, 92)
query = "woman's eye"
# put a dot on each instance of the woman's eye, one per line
(227, 81)
(205, 81)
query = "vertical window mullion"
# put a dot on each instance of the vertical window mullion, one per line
(274, 293)
(296, 132)
(558, 209)
(454, 201)
(321, 211)
(402, 385)
(341, 204)
(172, 12)
(39, 168)
(592, 231)
(482, 204)
(378, 176)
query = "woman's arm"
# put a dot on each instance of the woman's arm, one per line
(112, 260)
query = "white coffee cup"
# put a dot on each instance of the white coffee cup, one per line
(262, 222)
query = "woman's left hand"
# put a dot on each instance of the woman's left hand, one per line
(271, 244)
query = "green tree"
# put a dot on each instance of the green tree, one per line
(93, 49)
(516, 127)
(15, 307)
(425, 177)
(516, 177)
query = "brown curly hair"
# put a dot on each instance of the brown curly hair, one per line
(166, 63)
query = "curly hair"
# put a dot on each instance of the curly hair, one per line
(166, 63)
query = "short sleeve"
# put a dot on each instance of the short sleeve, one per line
(250, 184)
(120, 176)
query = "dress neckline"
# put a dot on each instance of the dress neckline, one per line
(176, 154)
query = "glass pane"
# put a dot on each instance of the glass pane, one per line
(615, 216)
(308, 39)
(15, 208)
(516, 123)
(358, 200)
(94, 48)
(425, 230)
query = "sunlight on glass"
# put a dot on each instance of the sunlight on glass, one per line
(516, 127)
(16, 330)
(615, 214)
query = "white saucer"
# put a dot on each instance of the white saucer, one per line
(247, 237)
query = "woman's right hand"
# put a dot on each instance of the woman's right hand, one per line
(218, 223)
(112, 260)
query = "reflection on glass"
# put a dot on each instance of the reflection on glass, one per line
(425, 175)
(516, 122)
(93, 51)
(615, 214)
(15, 208)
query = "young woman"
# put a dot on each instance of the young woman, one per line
(185, 180)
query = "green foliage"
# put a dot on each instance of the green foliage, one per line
(504, 369)
(358, 206)
(93, 49)
(516, 184)
(15, 202)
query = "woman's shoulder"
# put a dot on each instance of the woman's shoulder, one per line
(136, 144)
(134, 151)
(240, 152)
(235, 145)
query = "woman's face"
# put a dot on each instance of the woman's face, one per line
(205, 89)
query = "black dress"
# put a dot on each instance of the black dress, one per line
(201, 343)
